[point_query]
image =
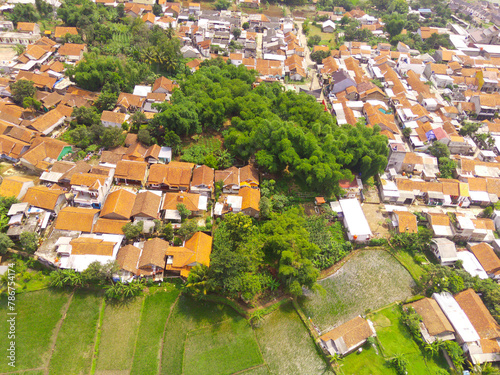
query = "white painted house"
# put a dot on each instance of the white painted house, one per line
(355, 221)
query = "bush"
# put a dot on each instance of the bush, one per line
(378, 242)
(177, 241)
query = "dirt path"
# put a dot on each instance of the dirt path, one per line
(56, 333)
(164, 329)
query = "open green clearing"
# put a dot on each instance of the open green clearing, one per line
(36, 319)
(118, 334)
(286, 345)
(154, 317)
(327, 39)
(77, 335)
(223, 348)
(369, 280)
(262, 370)
(368, 362)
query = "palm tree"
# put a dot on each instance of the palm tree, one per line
(170, 31)
(484, 369)
(148, 55)
(198, 281)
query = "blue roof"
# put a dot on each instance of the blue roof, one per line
(425, 10)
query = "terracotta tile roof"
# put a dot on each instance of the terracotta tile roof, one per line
(44, 122)
(131, 170)
(432, 316)
(43, 197)
(487, 257)
(148, 17)
(114, 117)
(426, 32)
(195, 251)
(450, 187)
(228, 176)
(172, 174)
(203, 175)
(251, 198)
(249, 174)
(407, 222)
(147, 204)
(61, 32)
(493, 186)
(128, 258)
(153, 253)
(109, 226)
(28, 27)
(118, 205)
(71, 49)
(39, 80)
(171, 200)
(91, 246)
(353, 332)
(439, 219)
(477, 184)
(90, 180)
(165, 84)
(76, 219)
(481, 319)
(11, 186)
(35, 52)
(127, 100)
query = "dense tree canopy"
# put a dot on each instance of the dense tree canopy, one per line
(96, 70)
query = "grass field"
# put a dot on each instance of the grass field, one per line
(393, 339)
(76, 336)
(154, 316)
(36, 319)
(224, 348)
(327, 39)
(286, 345)
(188, 315)
(369, 280)
(118, 335)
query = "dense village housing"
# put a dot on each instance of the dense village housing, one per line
(252, 151)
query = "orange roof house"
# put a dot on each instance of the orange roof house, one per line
(435, 325)
(127, 259)
(230, 179)
(15, 186)
(250, 202)
(109, 226)
(129, 171)
(249, 176)
(118, 205)
(173, 176)
(347, 337)
(488, 259)
(407, 222)
(61, 32)
(481, 319)
(45, 198)
(196, 250)
(203, 180)
(164, 85)
(146, 205)
(152, 258)
(171, 200)
(76, 219)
